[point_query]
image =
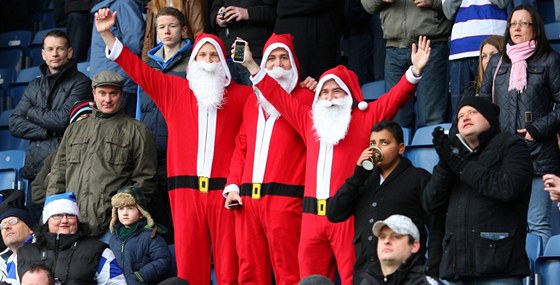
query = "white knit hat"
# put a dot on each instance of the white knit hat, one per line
(64, 203)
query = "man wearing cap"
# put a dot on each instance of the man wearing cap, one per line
(267, 226)
(41, 116)
(397, 249)
(62, 244)
(482, 185)
(16, 227)
(99, 155)
(203, 114)
(334, 133)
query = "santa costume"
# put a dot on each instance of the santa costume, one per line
(268, 169)
(201, 143)
(324, 246)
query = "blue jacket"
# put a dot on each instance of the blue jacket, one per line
(129, 29)
(144, 259)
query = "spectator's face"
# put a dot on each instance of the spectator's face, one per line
(56, 53)
(331, 90)
(279, 57)
(14, 233)
(35, 278)
(393, 248)
(470, 122)
(169, 30)
(518, 33)
(391, 149)
(208, 53)
(108, 98)
(488, 51)
(63, 224)
(129, 215)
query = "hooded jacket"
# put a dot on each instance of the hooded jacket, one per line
(409, 273)
(42, 114)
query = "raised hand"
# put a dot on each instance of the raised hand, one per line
(420, 54)
(309, 83)
(249, 61)
(104, 19)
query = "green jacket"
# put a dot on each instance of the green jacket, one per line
(403, 22)
(99, 155)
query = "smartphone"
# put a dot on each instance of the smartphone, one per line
(239, 51)
(234, 205)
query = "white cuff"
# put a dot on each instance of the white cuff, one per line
(411, 77)
(115, 51)
(230, 188)
(258, 77)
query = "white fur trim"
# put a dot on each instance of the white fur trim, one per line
(363, 105)
(258, 77)
(60, 206)
(220, 53)
(274, 46)
(411, 77)
(230, 188)
(115, 51)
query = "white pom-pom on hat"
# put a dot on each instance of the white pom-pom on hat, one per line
(363, 105)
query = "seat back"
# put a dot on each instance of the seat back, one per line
(422, 156)
(26, 75)
(7, 141)
(15, 93)
(547, 266)
(423, 135)
(373, 90)
(19, 38)
(11, 58)
(11, 162)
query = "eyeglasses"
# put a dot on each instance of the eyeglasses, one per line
(11, 221)
(60, 216)
(522, 24)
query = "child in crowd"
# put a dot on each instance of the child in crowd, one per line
(142, 254)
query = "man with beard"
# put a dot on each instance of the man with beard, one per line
(203, 114)
(267, 227)
(334, 134)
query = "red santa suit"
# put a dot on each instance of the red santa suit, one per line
(268, 169)
(201, 144)
(324, 246)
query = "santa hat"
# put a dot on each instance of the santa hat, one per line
(129, 196)
(64, 203)
(80, 108)
(347, 80)
(203, 38)
(284, 41)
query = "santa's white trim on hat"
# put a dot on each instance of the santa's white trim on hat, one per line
(270, 49)
(223, 61)
(327, 78)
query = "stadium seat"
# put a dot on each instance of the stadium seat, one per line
(373, 90)
(11, 162)
(12, 58)
(547, 266)
(39, 35)
(407, 134)
(35, 56)
(422, 156)
(28, 74)
(20, 38)
(534, 249)
(7, 141)
(423, 135)
(7, 76)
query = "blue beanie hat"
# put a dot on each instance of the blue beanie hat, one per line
(64, 203)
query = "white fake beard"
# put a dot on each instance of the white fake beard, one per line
(208, 81)
(331, 119)
(283, 77)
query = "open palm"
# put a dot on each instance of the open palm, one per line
(104, 19)
(421, 53)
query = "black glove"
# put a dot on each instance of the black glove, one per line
(448, 153)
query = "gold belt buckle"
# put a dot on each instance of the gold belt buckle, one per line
(321, 207)
(256, 191)
(203, 184)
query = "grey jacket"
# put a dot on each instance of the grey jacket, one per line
(403, 22)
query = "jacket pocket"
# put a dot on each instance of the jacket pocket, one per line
(493, 251)
(117, 149)
(501, 76)
(535, 76)
(77, 147)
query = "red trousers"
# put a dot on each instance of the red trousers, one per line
(267, 231)
(202, 225)
(326, 246)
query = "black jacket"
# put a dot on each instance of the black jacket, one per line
(362, 197)
(533, 109)
(486, 206)
(73, 258)
(409, 273)
(43, 113)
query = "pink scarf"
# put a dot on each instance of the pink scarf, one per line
(518, 54)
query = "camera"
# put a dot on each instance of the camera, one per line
(239, 51)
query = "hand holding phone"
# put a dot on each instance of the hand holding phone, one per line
(234, 205)
(239, 51)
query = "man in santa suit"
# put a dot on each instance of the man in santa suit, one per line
(334, 133)
(203, 113)
(267, 176)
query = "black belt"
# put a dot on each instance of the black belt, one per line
(204, 184)
(315, 206)
(258, 190)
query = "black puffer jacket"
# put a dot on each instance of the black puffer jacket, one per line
(486, 206)
(533, 109)
(42, 115)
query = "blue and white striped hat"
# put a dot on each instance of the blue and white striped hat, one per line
(64, 203)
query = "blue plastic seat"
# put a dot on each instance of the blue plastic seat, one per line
(547, 266)
(20, 38)
(7, 141)
(28, 74)
(40, 35)
(373, 90)
(534, 249)
(407, 135)
(12, 58)
(11, 162)
(422, 156)
(423, 135)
